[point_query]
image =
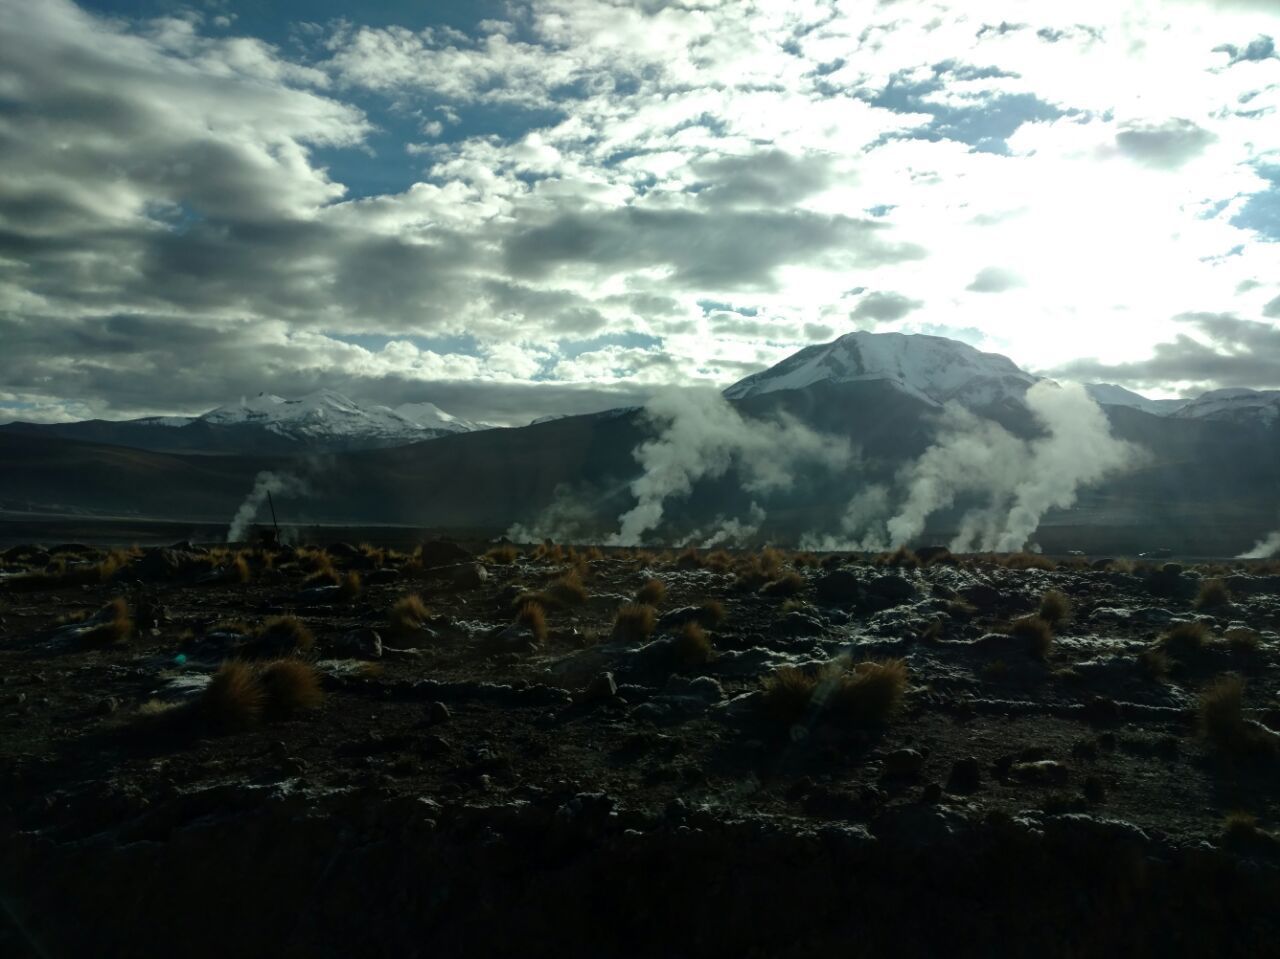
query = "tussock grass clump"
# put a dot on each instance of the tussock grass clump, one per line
(549, 552)
(864, 694)
(408, 613)
(1213, 595)
(900, 558)
(113, 625)
(234, 698)
(1035, 634)
(282, 636)
(351, 586)
(322, 577)
(1185, 639)
(653, 592)
(788, 692)
(1154, 662)
(1027, 561)
(1242, 640)
(240, 569)
(503, 555)
(568, 589)
(870, 692)
(533, 617)
(290, 686)
(788, 584)
(1055, 608)
(719, 561)
(635, 622)
(1223, 723)
(593, 555)
(692, 646)
(1241, 831)
(690, 559)
(714, 611)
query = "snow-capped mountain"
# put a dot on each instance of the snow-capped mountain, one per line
(1108, 394)
(431, 417)
(932, 368)
(1234, 405)
(321, 421)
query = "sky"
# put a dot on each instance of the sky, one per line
(515, 209)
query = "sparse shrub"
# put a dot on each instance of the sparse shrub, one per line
(719, 561)
(635, 622)
(322, 577)
(568, 589)
(1185, 639)
(689, 559)
(1055, 608)
(900, 558)
(770, 560)
(1243, 640)
(1035, 634)
(933, 632)
(1213, 595)
(114, 625)
(593, 555)
(788, 584)
(240, 569)
(714, 611)
(408, 613)
(1154, 662)
(1028, 561)
(282, 636)
(870, 692)
(290, 686)
(503, 555)
(692, 646)
(351, 586)
(653, 592)
(234, 698)
(996, 669)
(1222, 719)
(788, 692)
(533, 617)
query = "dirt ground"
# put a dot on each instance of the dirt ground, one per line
(455, 776)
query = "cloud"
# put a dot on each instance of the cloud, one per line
(994, 279)
(1226, 351)
(884, 306)
(1166, 145)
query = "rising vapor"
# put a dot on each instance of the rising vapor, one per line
(701, 436)
(264, 483)
(1264, 548)
(1020, 480)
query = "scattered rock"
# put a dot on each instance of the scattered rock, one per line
(1046, 771)
(839, 586)
(438, 713)
(443, 552)
(966, 776)
(362, 644)
(603, 687)
(903, 763)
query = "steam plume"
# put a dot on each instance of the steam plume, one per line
(1264, 548)
(264, 483)
(1020, 480)
(702, 436)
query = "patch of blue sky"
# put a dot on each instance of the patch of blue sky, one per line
(1261, 212)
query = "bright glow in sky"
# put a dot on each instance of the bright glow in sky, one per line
(560, 205)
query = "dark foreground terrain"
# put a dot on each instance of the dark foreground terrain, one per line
(279, 752)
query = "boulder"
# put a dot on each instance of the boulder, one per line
(840, 586)
(443, 552)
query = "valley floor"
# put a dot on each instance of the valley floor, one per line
(1081, 758)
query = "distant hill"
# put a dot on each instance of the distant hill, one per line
(1208, 483)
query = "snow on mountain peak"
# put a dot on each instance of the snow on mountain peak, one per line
(1234, 404)
(931, 368)
(327, 416)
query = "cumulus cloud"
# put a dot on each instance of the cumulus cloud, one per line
(994, 279)
(1224, 351)
(1166, 145)
(480, 199)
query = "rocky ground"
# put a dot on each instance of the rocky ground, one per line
(568, 753)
